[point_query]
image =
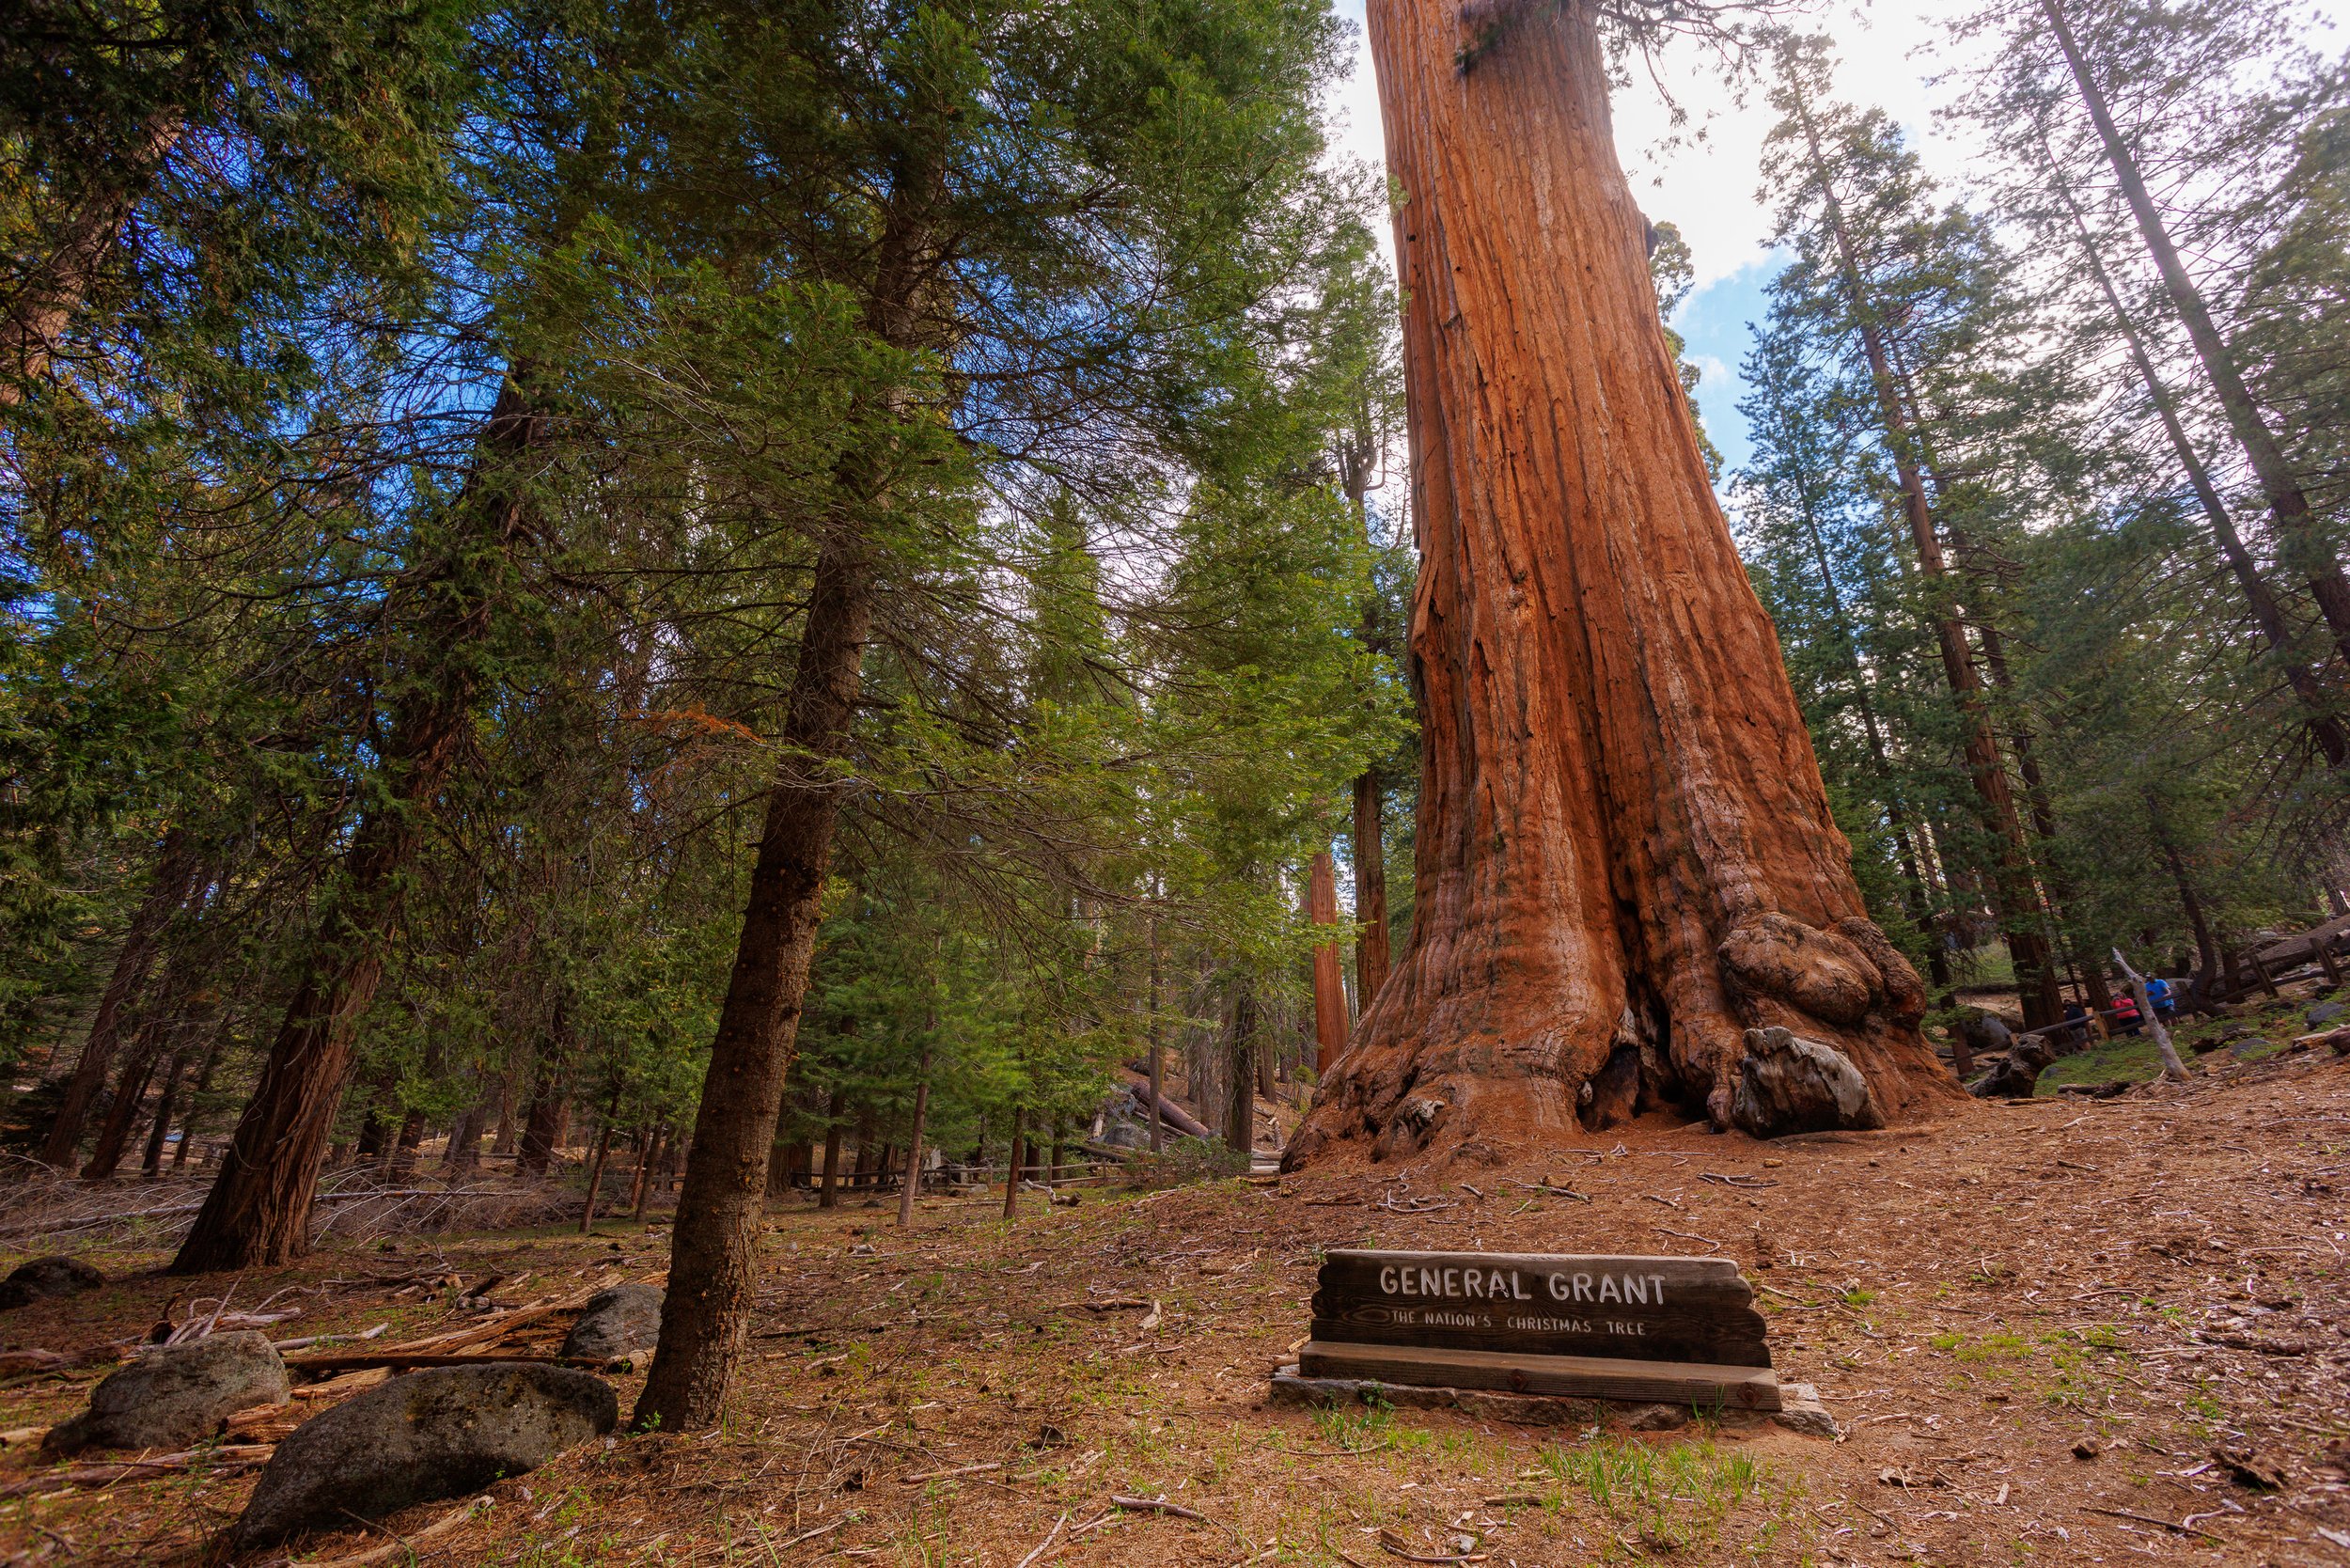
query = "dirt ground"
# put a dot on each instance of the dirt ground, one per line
(2040, 1325)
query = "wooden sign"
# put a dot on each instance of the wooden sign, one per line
(1675, 1329)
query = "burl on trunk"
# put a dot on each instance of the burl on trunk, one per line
(1629, 889)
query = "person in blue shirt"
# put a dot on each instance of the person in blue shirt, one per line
(2159, 992)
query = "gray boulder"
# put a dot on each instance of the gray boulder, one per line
(174, 1396)
(441, 1433)
(1985, 1033)
(1788, 1084)
(44, 1278)
(615, 1321)
(2325, 1013)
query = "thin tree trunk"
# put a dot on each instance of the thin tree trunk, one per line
(641, 1189)
(2297, 527)
(595, 1165)
(257, 1214)
(123, 1113)
(1240, 1107)
(196, 1095)
(1920, 898)
(1158, 1046)
(1370, 889)
(705, 1318)
(175, 869)
(1625, 844)
(1012, 1165)
(2044, 822)
(542, 1121)
(2325, 727)
(2207, 958)
(152, 1165)
(913, 1141)
(2172, 1068)
(828, 1195)
(2018, 901)
(1322, 908)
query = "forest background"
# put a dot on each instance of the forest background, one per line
(491, 493)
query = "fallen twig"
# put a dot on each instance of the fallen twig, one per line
(1059, 1525)
(1688, 1235)
(1159, 1505)
(227, 1456)
(1394, 1545)
(2151, 1519)
(942, 1475)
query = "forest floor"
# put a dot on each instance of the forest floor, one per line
(2040, 1326)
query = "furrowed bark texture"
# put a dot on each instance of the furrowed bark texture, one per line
(1625, 859)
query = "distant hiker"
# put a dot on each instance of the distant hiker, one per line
(2076, 1023)
(2159, 992)
(2126, 1018)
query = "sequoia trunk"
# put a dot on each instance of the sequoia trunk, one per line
(1624, 851)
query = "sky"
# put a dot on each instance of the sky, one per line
(1888, 53)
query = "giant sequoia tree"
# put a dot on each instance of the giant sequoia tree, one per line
(1626, 862)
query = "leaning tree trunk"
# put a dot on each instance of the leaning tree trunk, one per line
(175, 870)
(705, 1318)
(1624, 851)
(257, 1213)
(2325, 726)
(2301, 540)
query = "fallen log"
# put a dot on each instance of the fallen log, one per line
(397, 1360)
(225, 1456)
(1169, 1112)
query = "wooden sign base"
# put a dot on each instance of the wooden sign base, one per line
(1693, 1383)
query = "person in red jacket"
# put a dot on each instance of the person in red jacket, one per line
(2126, 1014)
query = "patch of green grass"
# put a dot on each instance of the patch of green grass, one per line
(2132, 1060)
(1992, 1347)
(1676, 1498)
(1367, 1429)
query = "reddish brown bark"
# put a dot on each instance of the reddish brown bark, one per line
(1322, 908)
(1624, 851)
(257, 1213)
